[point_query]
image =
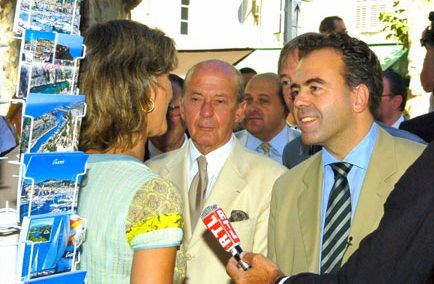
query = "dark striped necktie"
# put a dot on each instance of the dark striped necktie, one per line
(338, 220)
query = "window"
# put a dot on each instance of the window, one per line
(368, 13)
(184, 16)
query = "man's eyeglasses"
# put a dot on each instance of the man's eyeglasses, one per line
(173, 107)
(388, 95)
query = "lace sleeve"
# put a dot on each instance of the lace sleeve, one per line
(155, 216)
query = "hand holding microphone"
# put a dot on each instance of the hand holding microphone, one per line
(218, 224)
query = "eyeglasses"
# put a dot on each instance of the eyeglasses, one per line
(173, 108)
(388, 95)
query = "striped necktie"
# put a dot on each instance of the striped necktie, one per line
(265, 146)
(338, 220)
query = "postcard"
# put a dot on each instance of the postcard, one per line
(74, 277)
(43, 248)
(49, 63)
(62, 16)
(52, 123)
(50, 183)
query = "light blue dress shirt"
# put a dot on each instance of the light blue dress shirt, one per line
(359, 157)
(277, 143)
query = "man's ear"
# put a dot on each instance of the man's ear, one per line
(181, 109)
(361, 98)
(397, 100)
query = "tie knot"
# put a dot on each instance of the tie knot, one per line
(341, 169)
(202, 163)
(265, 146)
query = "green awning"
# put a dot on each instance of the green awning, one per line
(389, 54)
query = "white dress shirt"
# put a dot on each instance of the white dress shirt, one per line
(215, 160)
(398, 122)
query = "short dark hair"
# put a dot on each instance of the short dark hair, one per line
(397, 86)
(361, 65)
(327, 25)
(176, 79)
(248, 70)
(291, 46)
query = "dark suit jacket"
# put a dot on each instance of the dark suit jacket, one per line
(401, 250)
(423, 126)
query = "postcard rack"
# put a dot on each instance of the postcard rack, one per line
(51, 167)
(73, 238)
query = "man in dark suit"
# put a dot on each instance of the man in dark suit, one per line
(423, 126)
(400, 250)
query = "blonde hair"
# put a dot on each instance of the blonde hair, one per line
(123, 60)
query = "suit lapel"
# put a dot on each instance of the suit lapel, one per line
(309, 203)
(176, 171)
(242, 136)
(230, 182)
(375, 189)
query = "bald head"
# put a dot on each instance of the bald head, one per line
(265, 110)
(212, 91)
(219, 66)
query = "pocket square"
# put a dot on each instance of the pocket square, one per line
(238, 215)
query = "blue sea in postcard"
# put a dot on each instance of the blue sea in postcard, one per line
(53, 88)
(44, 138)
(50, 182)
(38, 35)
(57, 105)
(73, 42)
(39, 104)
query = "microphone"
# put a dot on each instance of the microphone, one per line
(218, 224)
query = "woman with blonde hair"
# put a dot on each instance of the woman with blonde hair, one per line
(133, 215)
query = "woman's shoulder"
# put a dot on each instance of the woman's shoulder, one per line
(155, 211)
(155, 197)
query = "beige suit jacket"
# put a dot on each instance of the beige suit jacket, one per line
(244, 183)
(294, 228)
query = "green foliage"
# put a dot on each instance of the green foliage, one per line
(396, 24)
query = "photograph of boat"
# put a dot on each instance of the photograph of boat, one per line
(50, 183)
(61, 16)
(51, 123)
(42, 246)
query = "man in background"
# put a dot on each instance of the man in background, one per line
(295, 151)
(265, 117)
(175, 136)
(331, 25)
(393, 99)
(247, 74)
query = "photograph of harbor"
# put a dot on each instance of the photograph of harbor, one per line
(51, 123)
(39, 47)
(50, 183)
(62, 16)
(49, 63)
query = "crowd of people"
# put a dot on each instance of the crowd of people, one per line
(321, 173)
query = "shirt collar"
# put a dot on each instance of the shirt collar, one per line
(278, 142)
(215, 159)
(360, 155)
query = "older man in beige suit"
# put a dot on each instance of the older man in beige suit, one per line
(324, 207)
(214, 168)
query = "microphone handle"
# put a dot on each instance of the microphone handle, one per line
(236, 252)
